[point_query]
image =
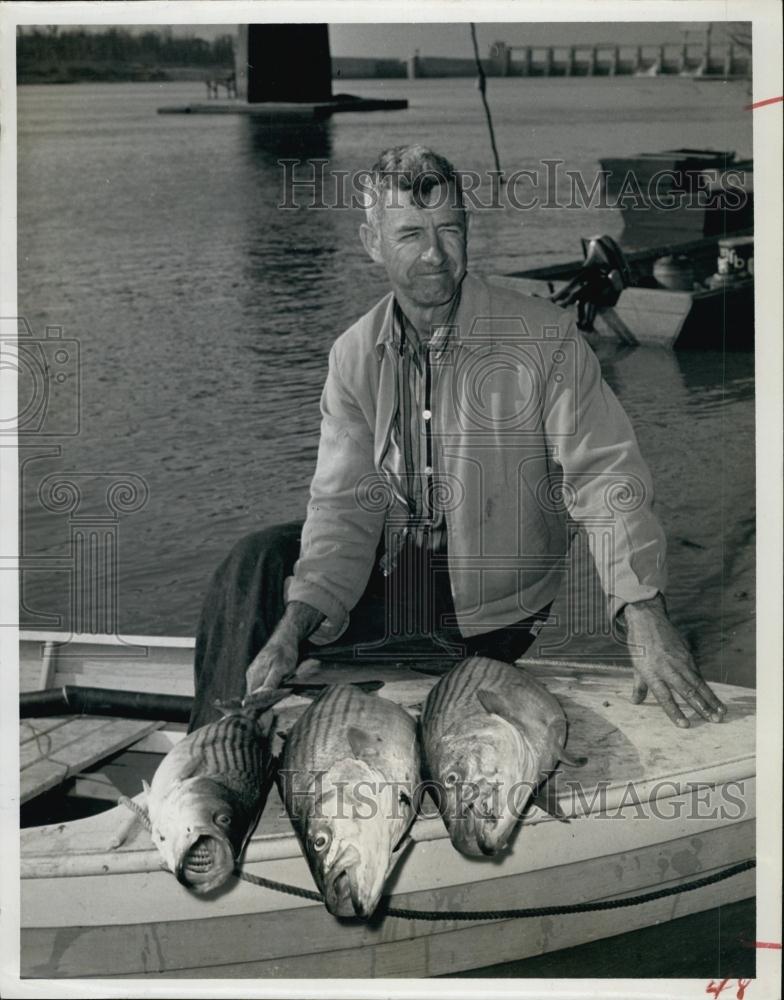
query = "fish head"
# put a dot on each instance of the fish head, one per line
(352, 837)
(198, 830)
(481, 784)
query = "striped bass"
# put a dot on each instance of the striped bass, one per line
(490, 735)
(206, 795)
(350, 778)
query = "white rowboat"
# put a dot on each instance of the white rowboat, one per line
(659, 807)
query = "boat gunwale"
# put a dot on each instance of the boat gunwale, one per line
(30, 637)
(640, 255)
(110, 640)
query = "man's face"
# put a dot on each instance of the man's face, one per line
(422, 246)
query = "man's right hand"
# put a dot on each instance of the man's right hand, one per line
(280, 657)
(276, 661)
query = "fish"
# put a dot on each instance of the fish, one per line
(490, 734)
(207, 793)
(350, 777)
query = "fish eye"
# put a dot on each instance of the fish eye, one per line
(320, 841)
(223, 819)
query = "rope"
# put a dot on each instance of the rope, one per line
(268, 883)
(482, 91)
(524, 912)
(531, 911)
(141, 813)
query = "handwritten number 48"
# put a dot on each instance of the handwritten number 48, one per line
(717, 988)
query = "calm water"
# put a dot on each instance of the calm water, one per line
(204, 315)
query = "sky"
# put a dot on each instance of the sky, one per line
(450, 39)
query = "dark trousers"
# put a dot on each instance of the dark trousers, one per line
(407, 614)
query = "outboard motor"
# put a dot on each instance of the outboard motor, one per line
(599, 282)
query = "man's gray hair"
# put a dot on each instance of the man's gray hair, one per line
(409, 168)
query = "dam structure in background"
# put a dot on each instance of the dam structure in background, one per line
(286, 71)
(720, 61)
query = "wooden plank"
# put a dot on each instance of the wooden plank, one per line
(41, 777)
(161, 741)
(52, 745)
(33, 729)
(94, 786)
(74, 747)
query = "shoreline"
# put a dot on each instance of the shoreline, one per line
(86, 72)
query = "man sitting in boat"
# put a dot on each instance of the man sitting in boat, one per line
(462, 424)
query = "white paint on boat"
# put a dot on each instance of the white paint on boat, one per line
(91, 911)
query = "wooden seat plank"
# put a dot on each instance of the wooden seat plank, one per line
(65, 750)
(34, 729)
(52, 745)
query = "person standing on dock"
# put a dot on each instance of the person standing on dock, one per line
(462, 424)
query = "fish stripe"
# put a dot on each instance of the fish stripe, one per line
(231, 745)
(323, 719)
(347, 706)
(459, 683)
(439, 693)
(460, 686)
(462, 680)
(450, 688)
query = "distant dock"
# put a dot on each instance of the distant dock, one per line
(277, 112)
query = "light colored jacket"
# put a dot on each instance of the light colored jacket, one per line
(526, 431)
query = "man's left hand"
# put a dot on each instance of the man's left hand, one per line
(663, 663)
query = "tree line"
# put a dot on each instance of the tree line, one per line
(37, 46)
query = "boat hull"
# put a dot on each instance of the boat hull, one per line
(653, 809)
(711, 319)
(287, 937)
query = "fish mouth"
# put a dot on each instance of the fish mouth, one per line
(340, 894)
(478, 833)
(344, 894)
(206, 863)
(492, 834)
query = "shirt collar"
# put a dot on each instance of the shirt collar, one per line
(394, 329)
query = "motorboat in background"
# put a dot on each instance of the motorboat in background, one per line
(682, 272)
